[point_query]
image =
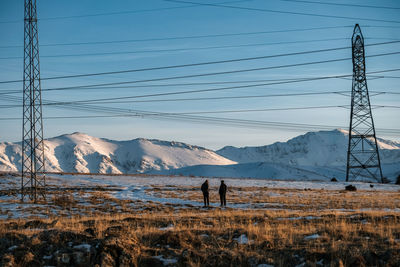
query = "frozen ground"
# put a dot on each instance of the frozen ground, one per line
(91, 193)
(138, 183)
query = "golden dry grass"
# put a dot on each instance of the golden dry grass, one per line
(283, 227)
(210, 238)
(308, 199)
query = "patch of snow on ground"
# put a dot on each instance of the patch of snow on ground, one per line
(310, 237)
(136, 182)
(169, 227)
(83, 247)
(299, 218)
(12, 248)
(166, 261)
(243, 240)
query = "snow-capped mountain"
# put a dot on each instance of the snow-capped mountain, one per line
(324, 148)
(312, 156)
(79, 152)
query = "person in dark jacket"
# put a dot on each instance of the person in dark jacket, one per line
(204, 189)
(222, 193)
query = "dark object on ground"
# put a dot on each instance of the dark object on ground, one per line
(398, 180)
(204, 189)
(358, 261)
(222, 193)
(334, 179)
(385, 180)
(351, 187)
(371, 185)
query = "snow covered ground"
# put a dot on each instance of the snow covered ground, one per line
(135, 183)
(142, 190)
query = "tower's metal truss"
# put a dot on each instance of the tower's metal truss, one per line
(363, 162)
(33, 182)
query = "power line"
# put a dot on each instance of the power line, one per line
(103, 86)
(228, 111)
(223, 97)
(238, 111)
(385, 76)
(284, 12)
(389, 106)
(382, 38)
(98, 14)
(283, 81)
(290, 80)
(203, 36)
(110, 86)
(110, 101)
(75, 107)
(265, 110)
(220, 62)
(189, 99)
(94, 87)
(180, 49)
(343, 93)
(190, 118)
(230, 97)
(189, 37)
(381, 26)
(113, 13)
(190, 65)
(341, 4)
(217, 121)
(215, 89)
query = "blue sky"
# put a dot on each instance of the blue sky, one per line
(66, 22)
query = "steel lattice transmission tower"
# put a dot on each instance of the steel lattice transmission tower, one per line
(363, 156)
(33, 181)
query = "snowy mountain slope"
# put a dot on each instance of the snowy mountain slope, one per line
(79, 152)
(264, 170)
(276, 171)
(10, 156)
(324, 148)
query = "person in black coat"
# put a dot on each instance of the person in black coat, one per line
(222, 193)
(204, 189)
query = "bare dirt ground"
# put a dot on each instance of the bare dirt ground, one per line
(164, 224)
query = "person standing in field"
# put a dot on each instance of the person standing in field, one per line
(222, 193)
(204, 189)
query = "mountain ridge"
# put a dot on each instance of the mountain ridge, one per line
(314, 155)
(313, 148)
(80, 152)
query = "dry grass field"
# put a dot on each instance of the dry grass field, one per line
(260, 227)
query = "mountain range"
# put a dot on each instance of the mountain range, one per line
(312, 156)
